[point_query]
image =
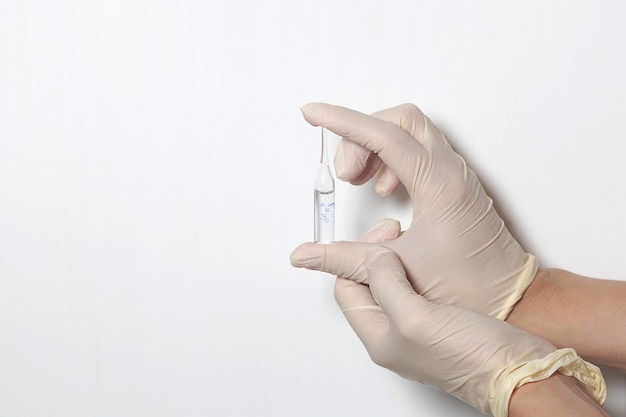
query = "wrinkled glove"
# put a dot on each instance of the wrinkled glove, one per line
(457, 249)
(469, 355)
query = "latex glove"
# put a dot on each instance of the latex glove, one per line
(469, 355)
(457, 249)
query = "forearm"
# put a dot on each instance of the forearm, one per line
(583, 313)
(557, 396)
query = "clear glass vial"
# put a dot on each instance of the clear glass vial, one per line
(324, 196)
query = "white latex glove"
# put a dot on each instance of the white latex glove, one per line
(457, 249)
(469, 355)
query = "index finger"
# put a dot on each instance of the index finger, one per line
(365, 316)
(397, 148)
(390, 287)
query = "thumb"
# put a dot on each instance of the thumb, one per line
(344, 259)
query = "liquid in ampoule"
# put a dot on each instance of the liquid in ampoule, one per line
(324, 196)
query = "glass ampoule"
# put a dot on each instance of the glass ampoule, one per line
(324, 198)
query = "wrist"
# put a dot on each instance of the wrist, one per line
(556, 307)
(556, 396)
(537, 295)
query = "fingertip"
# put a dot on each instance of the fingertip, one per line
(354, 163)
(349, 162)
(383, 231)
(386, 181)
(314, 112)
(382, 191)
(340, 163)
(307, 255)
(386, 186)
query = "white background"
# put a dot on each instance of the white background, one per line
(155, 174)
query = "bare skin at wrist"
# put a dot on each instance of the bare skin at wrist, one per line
(556, 396)
(583, 313)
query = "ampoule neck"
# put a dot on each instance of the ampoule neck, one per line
(324, 181)
(324, 156)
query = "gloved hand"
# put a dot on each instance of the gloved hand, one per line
(469, 355)
(457, 249)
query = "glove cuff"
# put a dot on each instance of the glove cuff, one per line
(565, 361)
(526, 275)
